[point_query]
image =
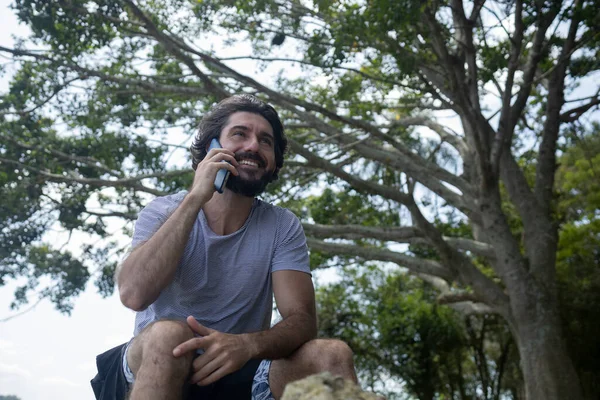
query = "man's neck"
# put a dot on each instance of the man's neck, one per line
(226, 213)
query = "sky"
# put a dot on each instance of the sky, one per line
(46, 355)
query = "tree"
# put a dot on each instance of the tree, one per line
(398, 332)
(578, 259)
(10, 397)
(116, 73)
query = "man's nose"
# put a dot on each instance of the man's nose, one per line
(252, 144)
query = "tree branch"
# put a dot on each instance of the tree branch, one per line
(90, 161)
(535, 55)
(397, 234)
(544, 179)
(413, 264)
(286, 101)
(464, 38)
(173, 47)
(505, 130)
(469, 308)
(406, 234)
(154, 87)
(132, 182)
(359, 184)
(443, 132)
(301, 61)
(574, 114)
(462, 267)
(457, 297)
(118, 214)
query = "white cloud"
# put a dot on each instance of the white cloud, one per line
(87, 367)
(7, 347)
(60, 381)
(114, 340)
(13, 369)
(45, 362)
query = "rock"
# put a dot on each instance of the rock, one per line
(325, 386)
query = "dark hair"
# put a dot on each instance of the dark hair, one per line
(212, 124)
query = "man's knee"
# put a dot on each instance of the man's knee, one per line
(166, 333)
(332, 353)
(157, 341)
(326, 354)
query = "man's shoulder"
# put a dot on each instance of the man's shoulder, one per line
(165, 204)
(280, 212)
(168, 200)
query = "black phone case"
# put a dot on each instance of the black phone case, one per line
(223, 174)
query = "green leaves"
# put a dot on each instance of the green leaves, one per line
(70, 28)
(398, 332)
(66, 274)
(349, 207)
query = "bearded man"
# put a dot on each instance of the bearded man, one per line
(202, 275)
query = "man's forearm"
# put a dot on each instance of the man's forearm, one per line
(147, 271)
(283, 338)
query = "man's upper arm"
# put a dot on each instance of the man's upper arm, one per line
(294, 293)
(292, 281)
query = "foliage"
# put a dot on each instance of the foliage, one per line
(399, 333)
(97, 118)
(578, 257)
(10, 397)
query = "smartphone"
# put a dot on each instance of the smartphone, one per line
(223, 174)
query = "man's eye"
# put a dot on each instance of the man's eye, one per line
(238, 133)
(267, 140)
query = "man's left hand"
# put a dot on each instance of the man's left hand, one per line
(224, 353)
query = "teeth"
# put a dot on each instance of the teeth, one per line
(251, 163)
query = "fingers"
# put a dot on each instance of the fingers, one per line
(221, 155)
(215, 375)
(227, 166)
(199, 328)
(216, 163)
(204, 366)
(189, 345)
(206, 172)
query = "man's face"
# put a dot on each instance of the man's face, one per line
(250, 137)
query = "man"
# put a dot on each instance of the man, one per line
(202, 273)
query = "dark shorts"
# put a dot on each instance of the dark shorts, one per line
(110, 382)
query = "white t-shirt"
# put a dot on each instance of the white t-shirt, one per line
(225, 281)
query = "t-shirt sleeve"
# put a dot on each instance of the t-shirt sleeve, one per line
(291, 251)
(151, 218)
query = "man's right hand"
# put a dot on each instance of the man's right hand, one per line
(224, 353)
(203, 186)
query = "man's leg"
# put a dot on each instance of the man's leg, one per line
(313, 357)
(159, 375)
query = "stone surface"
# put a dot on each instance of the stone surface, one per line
(325, 386)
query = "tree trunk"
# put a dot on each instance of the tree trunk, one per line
(548, 371)
(533, 314)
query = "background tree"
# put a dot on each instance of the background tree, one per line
(117, 74)
(578, 258)
(400, 334)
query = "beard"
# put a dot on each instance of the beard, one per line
(249, 187)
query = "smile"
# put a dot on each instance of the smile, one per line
(248, 162)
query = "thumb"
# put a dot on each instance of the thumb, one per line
(198, 328)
